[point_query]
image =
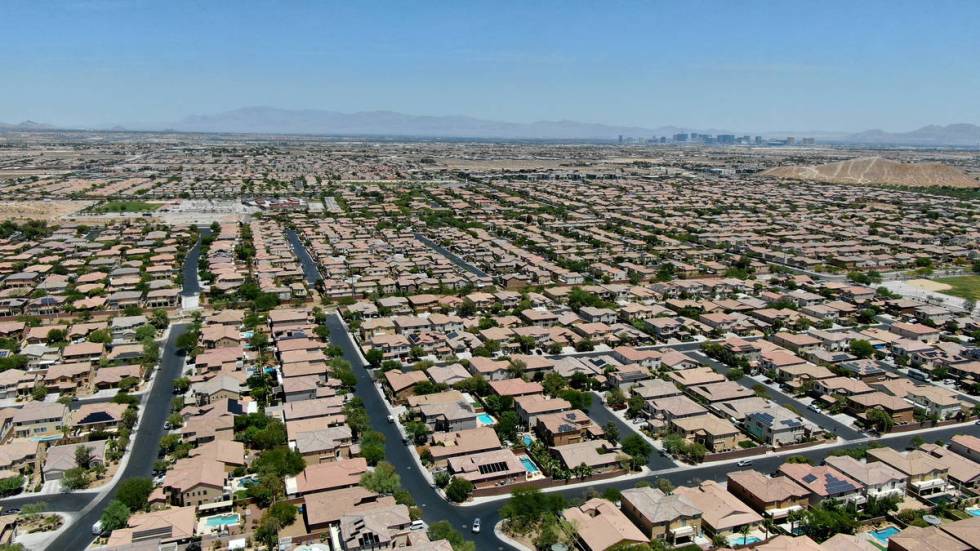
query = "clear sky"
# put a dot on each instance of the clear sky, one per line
(750, 66)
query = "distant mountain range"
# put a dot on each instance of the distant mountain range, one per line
(271, 120)
(26, 126)
(953, 134)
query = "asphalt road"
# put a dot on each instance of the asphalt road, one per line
(191, 285)
(452, 257)
(601, 415)
(310, 271)
(434, 508)
(823, 421)
(144, 447)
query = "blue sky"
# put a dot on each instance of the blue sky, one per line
(740, 65)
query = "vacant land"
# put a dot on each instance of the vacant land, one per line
(963, 286)
(876, 170)
(40, 210)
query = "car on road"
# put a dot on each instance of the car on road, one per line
(97, 528)
(476, 525)
(744, 462)
(814, 408)
(391, 419)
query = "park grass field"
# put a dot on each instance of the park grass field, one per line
(962, 286)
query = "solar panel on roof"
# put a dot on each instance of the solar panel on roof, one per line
(809, 478)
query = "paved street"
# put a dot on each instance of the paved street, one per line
(601, 415)
(435, 508)
(310, 271)
(144, 447)
(452, 257)
(823, 421)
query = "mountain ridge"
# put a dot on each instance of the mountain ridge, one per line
(272, 120)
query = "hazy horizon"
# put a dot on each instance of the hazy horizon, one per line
(747, 67)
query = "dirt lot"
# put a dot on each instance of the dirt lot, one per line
(40, 210)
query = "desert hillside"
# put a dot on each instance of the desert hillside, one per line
(875, 170)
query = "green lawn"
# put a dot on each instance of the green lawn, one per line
(125, 206)
(963, 286)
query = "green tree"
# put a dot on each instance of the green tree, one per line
(880, 420)
(133, 492)
(506, 427)
(443, 530)
(39, 392)
(383, 479)
(459, 489)
(74, 479)
(284, 512)
(862, 348)
(83, 457)
(374, 356)
(115, 516)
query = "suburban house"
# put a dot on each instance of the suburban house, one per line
(672, 518)
(775, 497)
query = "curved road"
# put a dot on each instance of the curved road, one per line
(435, 508)
(144, 447)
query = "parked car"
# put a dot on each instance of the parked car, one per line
(476, 525)
(391, 419)
(97, 528)
(744, 462)
(417, 525)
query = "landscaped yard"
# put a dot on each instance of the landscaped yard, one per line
(125, 206)
(963, 286)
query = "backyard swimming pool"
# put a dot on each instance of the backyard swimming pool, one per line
(742, 540)
(227, 519)
(973, 511)
(528, 441)
(485, 419)
(883, 534)
(529, 465)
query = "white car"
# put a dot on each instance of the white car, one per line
(476, 525)
(418, 525)
(744, 462)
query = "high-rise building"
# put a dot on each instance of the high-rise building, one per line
(726, 139)
(790, 140)
(758, 140)
(682, 137)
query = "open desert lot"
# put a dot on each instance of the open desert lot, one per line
(40, 210)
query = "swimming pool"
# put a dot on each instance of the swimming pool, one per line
(528, 441)
(973, 511)
(885, 533)
(529, 465)
(742, 540)
(227, 519)
(486, 419)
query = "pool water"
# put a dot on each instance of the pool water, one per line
(885, 533)
(528, 441)
(486, 419)
(223, 520)
(742, 540)
(529, 465)
(973, 511)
